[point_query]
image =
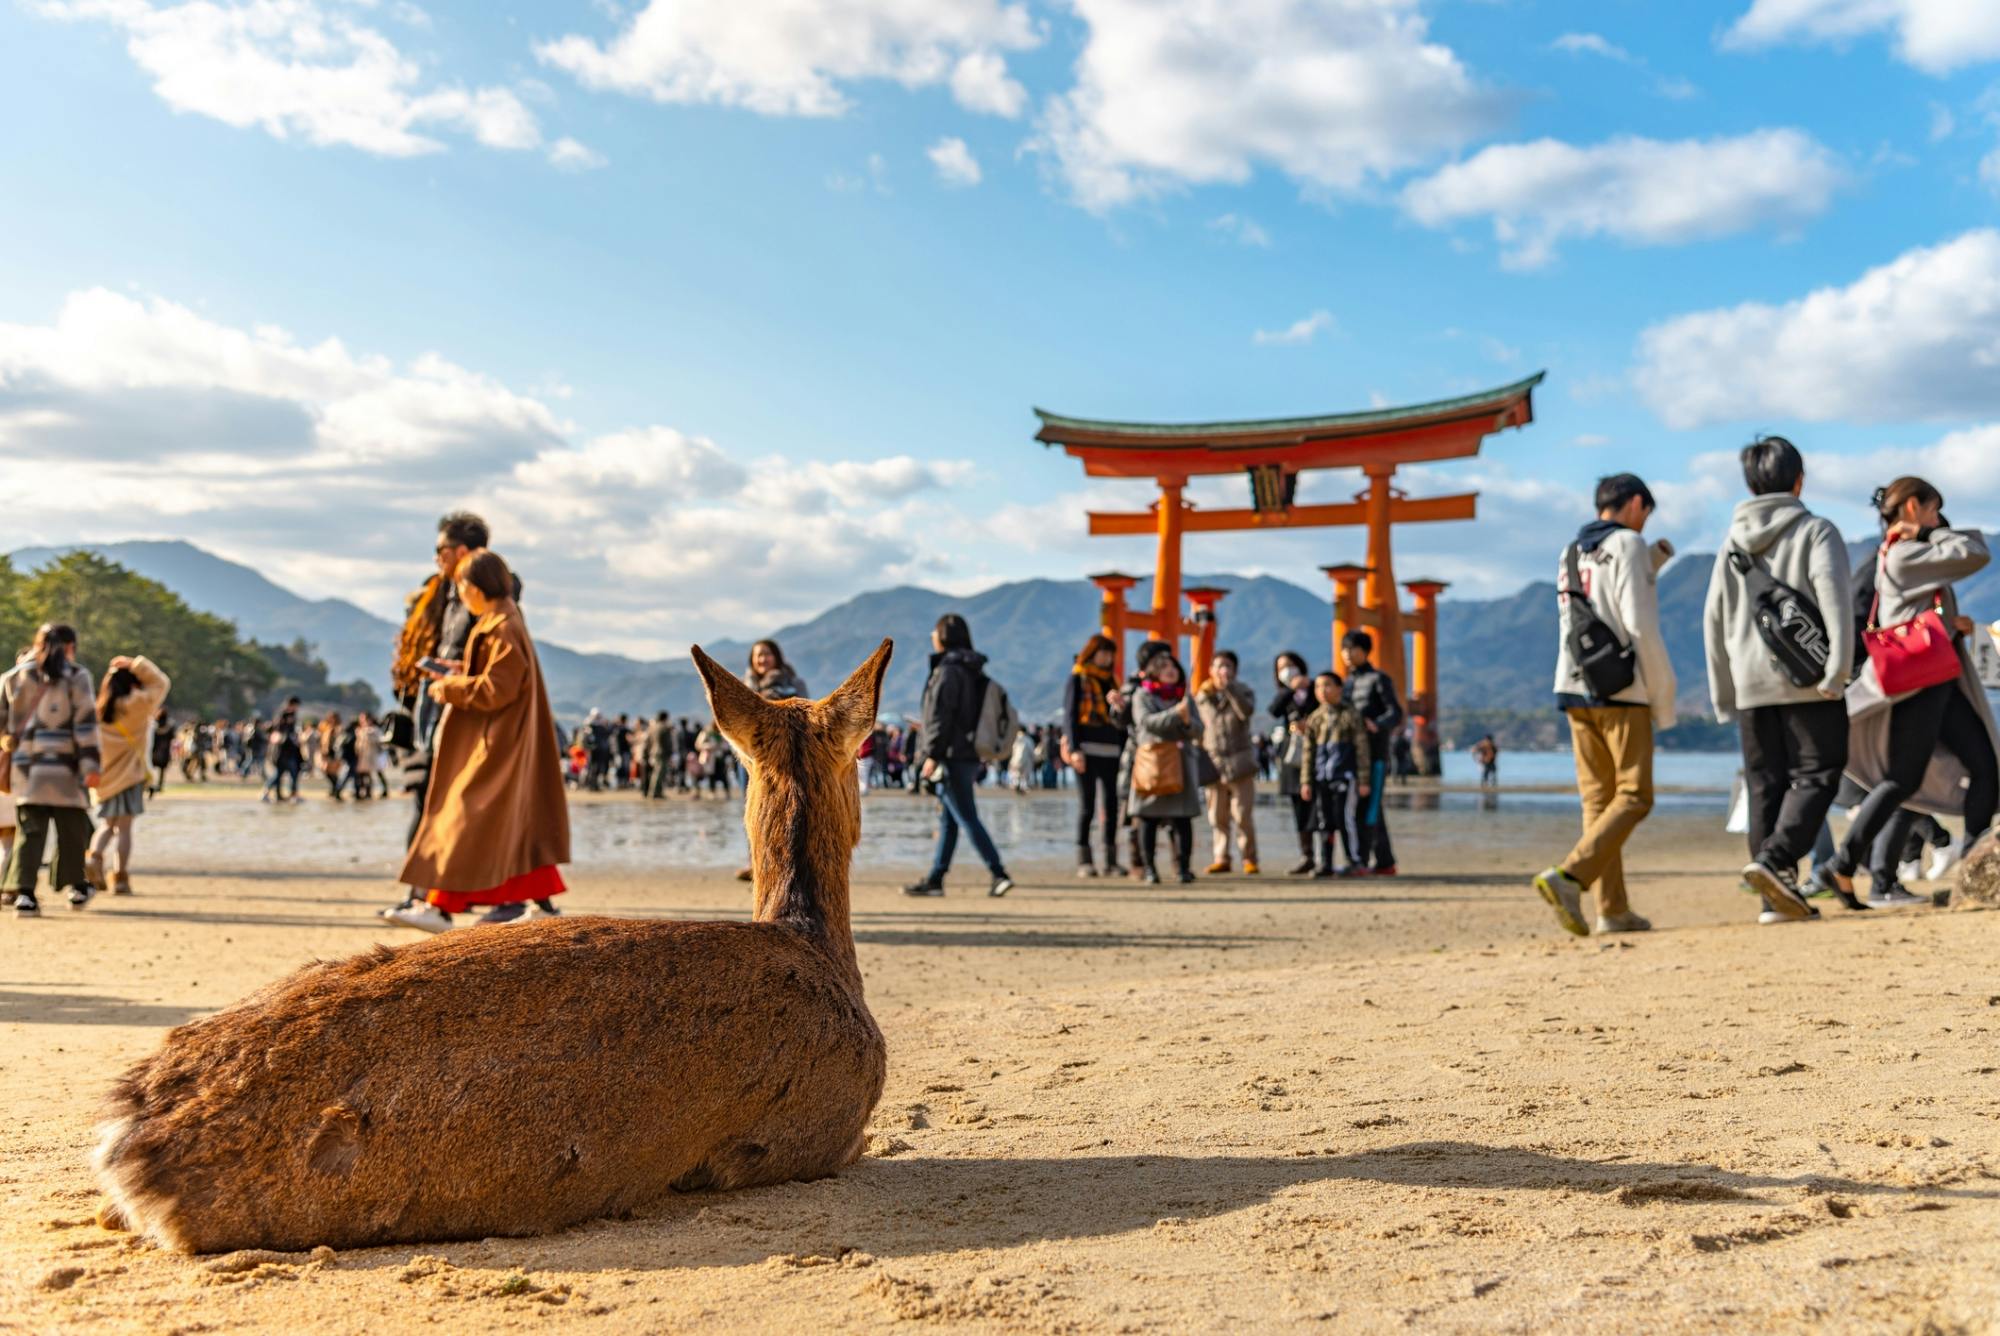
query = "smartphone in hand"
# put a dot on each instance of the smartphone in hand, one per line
(432, 666)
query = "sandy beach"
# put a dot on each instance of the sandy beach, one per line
(1247, 1104)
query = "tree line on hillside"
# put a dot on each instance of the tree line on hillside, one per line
(116, 611)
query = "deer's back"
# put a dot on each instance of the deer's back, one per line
(500, 1081)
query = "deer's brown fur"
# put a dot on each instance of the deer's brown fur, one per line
(516, 1080)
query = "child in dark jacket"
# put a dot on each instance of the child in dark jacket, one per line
(1336, 780)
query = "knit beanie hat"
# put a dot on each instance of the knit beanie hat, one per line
(1151, 650)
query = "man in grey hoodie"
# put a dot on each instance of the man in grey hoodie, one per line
(1794, 737)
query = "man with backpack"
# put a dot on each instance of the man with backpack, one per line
(1780, 648)
(1616, 684)
(968, 724)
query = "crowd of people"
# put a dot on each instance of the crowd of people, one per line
(1851, 686)
(1854, 687)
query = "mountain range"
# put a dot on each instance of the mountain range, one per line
(1495, 654)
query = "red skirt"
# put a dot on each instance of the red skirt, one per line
(540, 884)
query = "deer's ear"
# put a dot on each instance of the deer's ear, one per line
(736, 707)
(854, 704)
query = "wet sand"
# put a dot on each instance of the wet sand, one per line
(1247, 1104)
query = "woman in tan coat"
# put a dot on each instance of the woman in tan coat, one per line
(496, 820)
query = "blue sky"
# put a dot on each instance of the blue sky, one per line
(699, 300)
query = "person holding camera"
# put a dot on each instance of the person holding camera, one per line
(1616, 685)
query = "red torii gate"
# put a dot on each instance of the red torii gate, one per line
(1273, 452)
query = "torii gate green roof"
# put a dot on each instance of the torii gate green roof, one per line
(1060, 430)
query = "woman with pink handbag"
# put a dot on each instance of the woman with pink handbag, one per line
(1921, 733)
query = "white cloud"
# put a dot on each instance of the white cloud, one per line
(1334, 93)
(326, 467)
(792, 57)
(571, 156)
(979, 82)
(305, 69)
(1244, 229)
(1936, 36)
(1917, 338)
(954, 162)
(1942, 122)
(1578, 43)
(1590, 440)
(1594, 44)
(1644, 192)
(1964, 464)
(1303, 330)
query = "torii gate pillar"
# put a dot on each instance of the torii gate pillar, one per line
(1346, 611)
(1424, 679)
(1113, 585)
(1167, 565)
(1381, 597)
(1203, 599)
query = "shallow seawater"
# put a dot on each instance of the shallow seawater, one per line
(623, 834)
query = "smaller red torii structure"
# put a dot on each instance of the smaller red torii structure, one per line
(1273, 452)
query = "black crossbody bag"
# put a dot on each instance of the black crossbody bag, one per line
(1787, 621)
(1607, 664)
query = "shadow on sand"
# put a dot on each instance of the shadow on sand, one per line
(51, 1008)
(914, 1206)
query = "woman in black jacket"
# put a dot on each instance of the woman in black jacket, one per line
(1290, 706)
(953, 697)
(1093, 738)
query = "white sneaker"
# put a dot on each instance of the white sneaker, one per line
(1944, 859)
(1565, 896)
(1893, 897)
(424, 918)
(1910, 871)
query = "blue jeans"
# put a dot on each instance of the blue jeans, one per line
(285, 767)
(957, 807)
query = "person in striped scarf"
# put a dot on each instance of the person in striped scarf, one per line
(1093, 738)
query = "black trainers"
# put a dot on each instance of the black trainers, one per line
(925, 887)
(25, 906)
(1304, 868)
(1150, 877)
(79, 896)
(1779, 888)
(1187, 876)
(506, 913)
(1823, 883)
(1001, 885)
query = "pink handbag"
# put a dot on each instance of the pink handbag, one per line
(1912, 655)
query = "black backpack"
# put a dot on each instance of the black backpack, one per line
(1607, 664)
(1788, 622)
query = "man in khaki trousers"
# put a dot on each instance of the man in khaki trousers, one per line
(1609, 571)
(1227, 711)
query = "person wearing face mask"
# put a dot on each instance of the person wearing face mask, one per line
(1934, 748)
(1291, 706)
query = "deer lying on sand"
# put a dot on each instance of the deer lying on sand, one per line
(516, 1080)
